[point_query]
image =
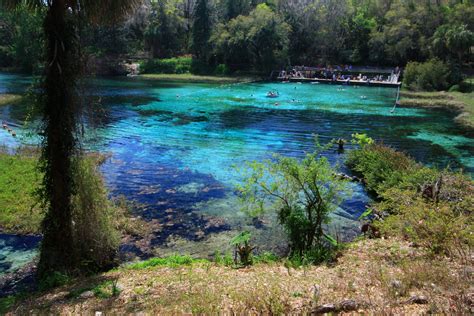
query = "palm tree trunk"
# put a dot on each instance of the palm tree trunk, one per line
(59, 143)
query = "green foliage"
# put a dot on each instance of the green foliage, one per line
(6, 303)
(302, 193)
(266, 257)
(452, 40)
(95, 245)
(178, 65)
(165, 34)
(18, 182)
(261, 38)
(222, 70)
(53, 280)
(21, 39)
(106, 289)
(381, 166)
(429, 207)
(223, 259)
(431, 75)
(314, 256)
(241, 242)
(202, 28)
(435, 226)
(171, 261)
(362, 139)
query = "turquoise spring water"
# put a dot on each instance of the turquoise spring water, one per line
(173, 146)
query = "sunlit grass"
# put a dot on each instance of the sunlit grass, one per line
(458, 101)
(19, 178)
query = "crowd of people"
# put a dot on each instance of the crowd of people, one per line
(339, 73)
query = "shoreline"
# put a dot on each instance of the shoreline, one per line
(452, 101)
(190, 78)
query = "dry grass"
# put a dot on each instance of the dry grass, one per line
(379, 274)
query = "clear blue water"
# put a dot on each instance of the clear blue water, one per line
(173, 146)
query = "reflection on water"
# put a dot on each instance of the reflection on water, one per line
(174, 146)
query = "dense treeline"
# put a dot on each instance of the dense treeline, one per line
(263, 34)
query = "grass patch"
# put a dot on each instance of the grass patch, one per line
(20, 212)
(196, 78)
(463, 103)
(6, 303)
(106, 289)
(171, 261)
(6, 99)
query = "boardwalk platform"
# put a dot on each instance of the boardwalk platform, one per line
(369, 83)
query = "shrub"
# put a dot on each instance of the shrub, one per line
(429, 207)
(95, 235)
(435, 226)
(243, 248)
(431, 75)
(381, 166)
(302, 193)
(222, 70)
(178, 65)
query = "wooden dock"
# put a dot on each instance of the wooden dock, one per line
(368, 83)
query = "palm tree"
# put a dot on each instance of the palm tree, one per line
(59, 102)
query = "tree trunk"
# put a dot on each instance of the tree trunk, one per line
(57, 247)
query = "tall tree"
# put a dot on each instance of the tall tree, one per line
(202, 27)
(60, 113)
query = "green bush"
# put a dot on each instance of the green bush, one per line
(96, 246)
(178, 65)
(302, 193)
(381, 167)
(431, 75)
(435, 226)
(222, 70)
(243, 248)
(431, 208)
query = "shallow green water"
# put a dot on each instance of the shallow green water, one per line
(174, 146)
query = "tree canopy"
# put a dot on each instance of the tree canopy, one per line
(308, 32)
